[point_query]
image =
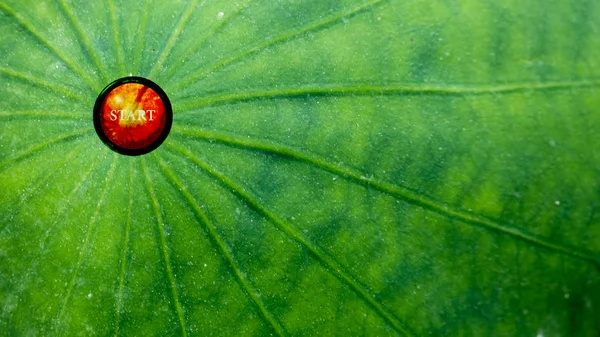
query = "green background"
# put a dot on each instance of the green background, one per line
(348, 167)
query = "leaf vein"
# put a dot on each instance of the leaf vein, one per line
(39, 114)
(375, 90)
(47, 43)
(329, 263)
(194, 49)
(245, 284)
(39, 147)
(36, 186)
(89, 232)
(61, 212)
(116, 37)
(39, 82)
(276, 41)
(165, 252)
(140, 42)
(119, 304)
(83, 39)
(185, 17)
(396, 191)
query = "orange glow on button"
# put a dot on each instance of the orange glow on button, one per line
(133, 116)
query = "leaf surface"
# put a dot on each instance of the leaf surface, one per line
(355, 167)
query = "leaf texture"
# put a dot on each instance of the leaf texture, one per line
(349, 167)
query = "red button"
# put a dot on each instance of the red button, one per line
(133, 115)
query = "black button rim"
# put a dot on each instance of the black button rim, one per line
(168, 115)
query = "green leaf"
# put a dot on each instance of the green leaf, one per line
(348, 167)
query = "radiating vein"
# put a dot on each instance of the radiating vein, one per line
(42, 180)
(89, 232)
(116, 37)
(185, 17)
(329, 263)
(42, 83)
(141, 39)
(56, 51)
(165, 252)
(390, 90)
(119, 304)
(61, 211)
(396, 191)
(191, 52)
(248, 288)
(83, 39)
(277, 40)
(42, 146)
(41, 114)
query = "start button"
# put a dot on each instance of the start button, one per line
(133, 116)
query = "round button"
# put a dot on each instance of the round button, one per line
(133, 116)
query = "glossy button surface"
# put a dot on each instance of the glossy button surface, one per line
(133, 116)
